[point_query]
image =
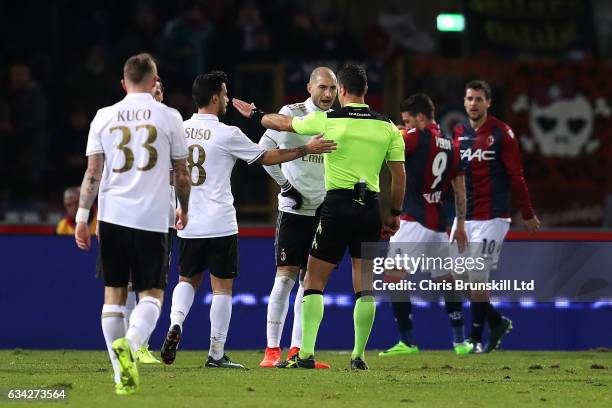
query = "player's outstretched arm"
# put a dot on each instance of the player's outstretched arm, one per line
(316, 145)
(89, 191)
(398, 187)
(268, 120)
(460, 210)
(182, 188)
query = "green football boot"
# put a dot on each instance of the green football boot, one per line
(400, 349)
(144, 356)
(121, 390)
(464, 347)
(127, 360)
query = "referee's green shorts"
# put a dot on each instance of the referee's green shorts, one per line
(344, 223)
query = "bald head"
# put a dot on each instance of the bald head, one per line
(323, 72)
(72, 192)
(323, 87)
(71, 201)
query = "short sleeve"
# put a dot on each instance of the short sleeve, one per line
(396, 146)
(311, 124)
(244, 148)
(94, 141)
(178, 145)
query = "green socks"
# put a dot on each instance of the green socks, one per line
(312, 314)
(363, 316)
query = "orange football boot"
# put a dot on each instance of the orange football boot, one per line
(272, 357)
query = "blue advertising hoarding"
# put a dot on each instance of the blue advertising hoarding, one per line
(51, 300)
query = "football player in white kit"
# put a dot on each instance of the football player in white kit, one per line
(130, 147)
(210, 241)
(144, 354)
(302, 191)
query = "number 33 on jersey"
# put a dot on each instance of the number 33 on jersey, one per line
(138, 137)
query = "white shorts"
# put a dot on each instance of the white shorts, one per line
(414, 240)
(485, 240)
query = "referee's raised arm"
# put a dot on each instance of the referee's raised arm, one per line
(312, 124)
(350, 212)
(273, 121)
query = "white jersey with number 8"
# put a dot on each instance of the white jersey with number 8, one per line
(214, 148)
(138, 136)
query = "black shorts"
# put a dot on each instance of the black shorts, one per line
(129, 254)
(171, 235)
(346, 222)
(219, 255)
(294, 234)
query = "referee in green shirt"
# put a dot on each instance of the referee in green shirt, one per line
(350, 212)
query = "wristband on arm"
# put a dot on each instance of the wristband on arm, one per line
(82, 215)
(257, 115)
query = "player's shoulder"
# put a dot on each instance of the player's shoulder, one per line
(215, 125)
(295, 109)
(500, 126)
(412, 132)
(167, 110)
(104, 116)
(381, 117)
(438, 132)
(231, 130)
(106, 111)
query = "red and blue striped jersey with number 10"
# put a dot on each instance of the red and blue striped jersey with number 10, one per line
(432, 161)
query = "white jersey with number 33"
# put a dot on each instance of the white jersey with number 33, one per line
(214, 148)
(138, 136)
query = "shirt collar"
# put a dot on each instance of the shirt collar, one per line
(138, 95)
(311, 107)
(205, 116)
(356, 105)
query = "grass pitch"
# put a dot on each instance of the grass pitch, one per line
(429, 379)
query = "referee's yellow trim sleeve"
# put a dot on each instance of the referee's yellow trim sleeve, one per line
(311, 124)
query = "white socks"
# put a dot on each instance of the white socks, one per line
(143, 321)
(220, 315)
(182, 299)
(277, 309)
(296, 334)
(130, 304)
(113, 327)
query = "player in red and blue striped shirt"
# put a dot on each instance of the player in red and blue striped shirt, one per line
(493, 170)
(432, 165)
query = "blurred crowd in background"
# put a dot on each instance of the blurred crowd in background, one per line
(60, 61)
